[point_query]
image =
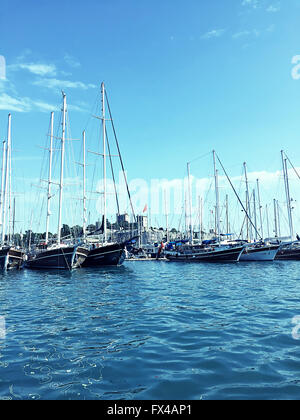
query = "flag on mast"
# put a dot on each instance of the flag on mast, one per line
(145, 208)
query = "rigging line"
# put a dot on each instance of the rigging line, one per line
(235, 211)
(180, 219)
(121, 160)
(112, 172)
(73, 171)
(242, 228)
(56, 146)
(97, 100)
(92, 186)
(229, 180)
(282, 213)
(245, 218)
(42, 168)
(292, 166)
(237, 208)
(92, 173)
(208, 192)
(200, 157)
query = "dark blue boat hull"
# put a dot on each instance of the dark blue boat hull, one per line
(113, 254)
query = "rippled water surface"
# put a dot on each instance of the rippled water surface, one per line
(151, 330)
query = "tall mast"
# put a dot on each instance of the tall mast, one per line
(167, 221)
(30, 230)
(287, 192)
(8, 145)
(275, 218)
(290, 200)
(200, 218)
(247, 220)
(49, 177)
(227, 216)
(185, 216)
(2, 182)
(260, 208)
(14, 218)
(104, 161)
(139, 231)
(248, 200)
(267, 215)
(64, 110)
(278, 219)
(201, 222)
(254, 211)
(190, 204)
(10, 217)
(84, 188)
(217, 197)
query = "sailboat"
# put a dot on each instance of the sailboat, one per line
(291, 250)
(210, 251)
(10, 256)
(257, 250)
(58, 255)
(105, 253)
(260, 252)
(206, 253)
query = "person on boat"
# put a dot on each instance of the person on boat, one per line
(298, 237)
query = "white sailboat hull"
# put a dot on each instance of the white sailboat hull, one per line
(257, 254)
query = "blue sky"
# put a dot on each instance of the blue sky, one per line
(183, 78)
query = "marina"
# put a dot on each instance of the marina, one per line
(126, 310)
(149, 203)
(99, 246)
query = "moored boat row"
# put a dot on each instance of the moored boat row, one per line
(224, 253)
(68, 257)
(255, 248)
(64, 257)
(59, 254)
(63, 253)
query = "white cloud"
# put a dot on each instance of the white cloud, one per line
(253, 32)
(43, 106)
(8, 103)
(254, 4)
(274, 8)
(38, 69)
(71, 61)
(65, 73)
(215, 33)
(78, 108)
(62, 84)
(25, 53)
(6, 85)
(25, 104)
(241, 34)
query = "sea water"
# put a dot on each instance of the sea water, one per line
(152, 330)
